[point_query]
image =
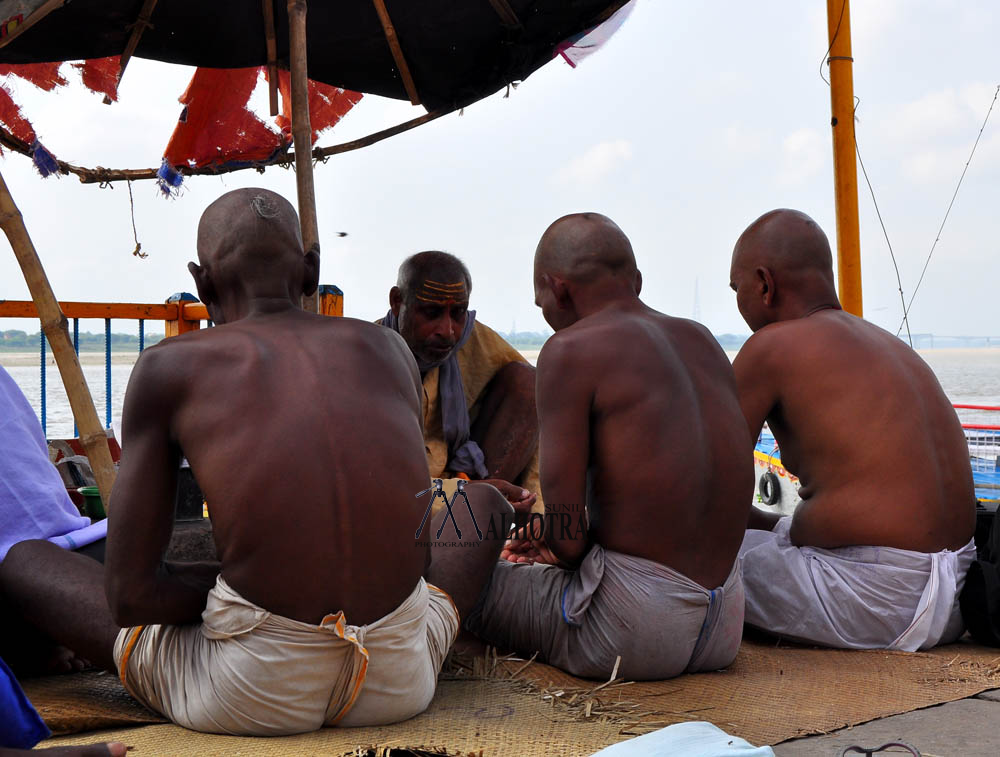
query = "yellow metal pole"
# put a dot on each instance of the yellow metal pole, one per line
(845, 167)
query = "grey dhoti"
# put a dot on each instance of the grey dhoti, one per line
(657, 620)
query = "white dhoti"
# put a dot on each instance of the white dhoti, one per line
(660, 622)
(246, 671)
(853, 597)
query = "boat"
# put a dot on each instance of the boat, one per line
(777, 488)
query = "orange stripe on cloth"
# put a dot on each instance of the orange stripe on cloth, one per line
(127, 655)
(458, 615)
(341, 630)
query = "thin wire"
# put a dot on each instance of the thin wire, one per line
(832, 40)
(135, 235)
(899, 281)
(906, 310)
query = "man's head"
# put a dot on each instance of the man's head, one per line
(782, 269)
(250, 247)
(431, 301)
(577, 255)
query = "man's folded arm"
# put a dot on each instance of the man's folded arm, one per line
(757, 391)
(564, 405)
(141, 588)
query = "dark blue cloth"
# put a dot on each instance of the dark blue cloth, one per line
(21, 727)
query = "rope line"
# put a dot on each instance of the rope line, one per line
(135, 235)
(833, 39)
(892, 255)
(937, 239)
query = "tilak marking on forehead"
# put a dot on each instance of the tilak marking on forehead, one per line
(440, 293)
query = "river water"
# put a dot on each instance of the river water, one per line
(968, 376)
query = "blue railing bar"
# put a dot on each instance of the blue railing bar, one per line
(142, 335)
(41, 363)
(107, 372)
(76, 349)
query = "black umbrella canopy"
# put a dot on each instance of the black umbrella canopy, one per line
(457, 51)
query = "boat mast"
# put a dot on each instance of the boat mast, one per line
(845, 171)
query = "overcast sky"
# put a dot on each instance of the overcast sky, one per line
(694, 120)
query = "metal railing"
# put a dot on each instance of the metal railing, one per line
(181, 313)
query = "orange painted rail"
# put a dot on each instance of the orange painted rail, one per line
(179, 315)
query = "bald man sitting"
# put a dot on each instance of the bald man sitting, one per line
(876, 554)
(647, 474)
(478, 391)
(303, 624)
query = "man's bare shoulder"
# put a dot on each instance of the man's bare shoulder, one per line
(780, 341)
(565, 349)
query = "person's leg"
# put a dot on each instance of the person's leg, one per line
(94, 551)
(463, 571)
(506, 428)
(110, 749)
(61, 594)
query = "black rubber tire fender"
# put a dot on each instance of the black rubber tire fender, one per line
(769, 488)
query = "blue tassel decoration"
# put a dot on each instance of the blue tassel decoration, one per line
(44, 161)
(168, 180)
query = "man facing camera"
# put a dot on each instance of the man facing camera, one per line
(478, 391)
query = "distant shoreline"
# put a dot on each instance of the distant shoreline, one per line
(119, 357)
(21, 359)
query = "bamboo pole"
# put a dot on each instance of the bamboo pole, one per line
(108, 175)
(302, 134)
(271, 44)
(845, 167)
(140, 25)
(92, 434)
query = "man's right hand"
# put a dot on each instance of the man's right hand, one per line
(521, 499)
(524, 547)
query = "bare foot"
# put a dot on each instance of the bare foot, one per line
(113, 748)
(63, 660)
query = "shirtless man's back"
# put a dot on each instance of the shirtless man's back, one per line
(864, 424)
(667, 444)
(640, 422)
(313, 482)
(882, 460)
(304, 433)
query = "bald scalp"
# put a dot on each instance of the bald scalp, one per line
(254, 223)
(784, 240)
(435, 265)
(583, 247)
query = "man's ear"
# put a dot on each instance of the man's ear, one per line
(638, 282)
(310, 277)
(766, 282)
(202, 283)
(395, 300)
(560, 290)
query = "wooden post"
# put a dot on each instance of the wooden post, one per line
(272, 53)
(302, 133)
(845, 162)
(331, 300)
(92, 434)
(182, 325)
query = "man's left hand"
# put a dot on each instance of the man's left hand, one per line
(521, 499)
